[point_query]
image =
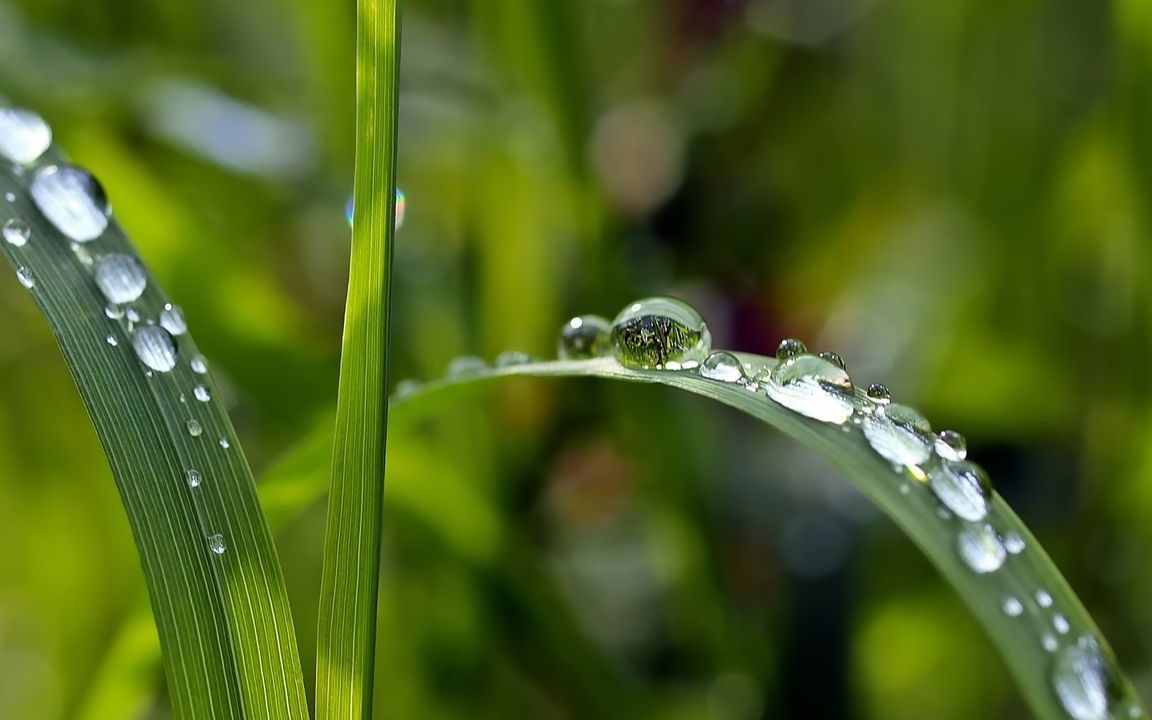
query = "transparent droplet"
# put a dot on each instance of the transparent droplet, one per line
(216, 543)
(466, 366)
(951, 445)
(899, 434)
(113, 311)
(1049, 642)
(723, 366)
(24, 275)
(879, 394)
(72, 200)
(1043, 599)
(1085, 681)
(834, 359)
(1135, 711)
(194, 428)
(24, 136)
(1012, 606)
(401, 209)
(10, 196)
(16, 232)
(1060, 623)
(224, 443)
(406, 388)
(133, 316)
(199, 365)
(121, 278)
(1014, 543)
(812, 387)
(155, 348)
(172, 319)
(512, 358)
(790, 348)
(200, 392)
(660, 333)
(963, 487)
(583, 337)
(980, 548)
(194, 478)
(111, 339)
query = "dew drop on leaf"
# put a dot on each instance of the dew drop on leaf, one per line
(1012, 606)
(193, 478)
(216, 544)
(121, 278)
(660, 333)
(980, 548)
(963, 487)
(723, 366)
(790, 348)
(24, 136)
(200, 392)
(172, 319)
(194, 428)
(813, 387)
(879, 394)
(512, 358)
(1085, 681)
(16, 232)
(466, 366)
(199, 365)
(899, 434)
(24, 275)
(583, 337)
(72, 200)
(155, 348)
(951, 445)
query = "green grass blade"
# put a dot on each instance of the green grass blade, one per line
(223, 619)
(347, 630)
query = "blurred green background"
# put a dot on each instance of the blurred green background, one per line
(954, 195)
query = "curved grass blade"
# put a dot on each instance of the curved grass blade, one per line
(346, 636)
(213, 577)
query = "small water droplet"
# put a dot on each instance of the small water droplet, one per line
(1014, 543)
(834, 359)
(155, 348)
(72, 200)
(465, 366)
(1135, 712)
(905, 488)
(113, 311)
(133, 316)
(406, 388)
(812, 387)
(951, 445)
(16, 232)
(723, 366)
(183, 398)
(512, 358)
(660, 333)
(1043, 599)
(112, 340)
(899, 434)
(1012, 606)
(200, 392)
(224, 443)
(121, 278)
(963, 487)
(24, 275)
(10, 196)
(980, 548)
(1060, 623)
(217, 544)
(1049, 642)
(24, 136)
(583, 337)
(194, 428)
(194, 478)
(1085, 681)
(172, 319)
(790, 348)
(879, 394)
(199, 365)
(401, 209)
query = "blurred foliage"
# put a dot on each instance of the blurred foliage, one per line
(953, 195)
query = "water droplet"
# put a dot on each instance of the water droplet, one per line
(24, 136)
(980, 548)
(401, 209)
(1135, 712)
(834, 359)
(899, 434)
(1012, 606)
(113, 311)
(172, 319)
(466, 366)
(1060, 623)
(24, 275)
(583, 337)
(812, 387)
(121, 278)
(112, 340)
(1043, 599)
(199, 365)
(406, 388)
(963, 487)
(1049, 642)
(194, 428)
(72, 200)
(224, 443)
(879, 394)
(155, 348)
(723, 366)
(660, 333)
(200, 392)
(217, 544)
(951, 445)
(132, 315)
(790, 348)
(1085, 681)
(512, 358)
(17, 232)
(1013, 543)
(10, 196)
(194, 478)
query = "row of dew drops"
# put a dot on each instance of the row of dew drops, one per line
(661, 333)
(73, 201)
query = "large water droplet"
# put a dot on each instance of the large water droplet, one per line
(72, 200)
(583, 337)
(1085, 681)
(660, 333)
(512, 358)
(812, 387)
(980, 548)
(24, 275)
(193, 478)
(790, 348)
(24, 136)
(172, 319)
(16, 232)
(951, 445)
(121, 278)
(200, 392)
(899, 434)
(466, 366)
(216, 543)
(155, 348)
(834, 359)
(723, 366)
(963, 487)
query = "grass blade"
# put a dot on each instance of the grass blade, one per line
(223, 618)
(347, 629)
